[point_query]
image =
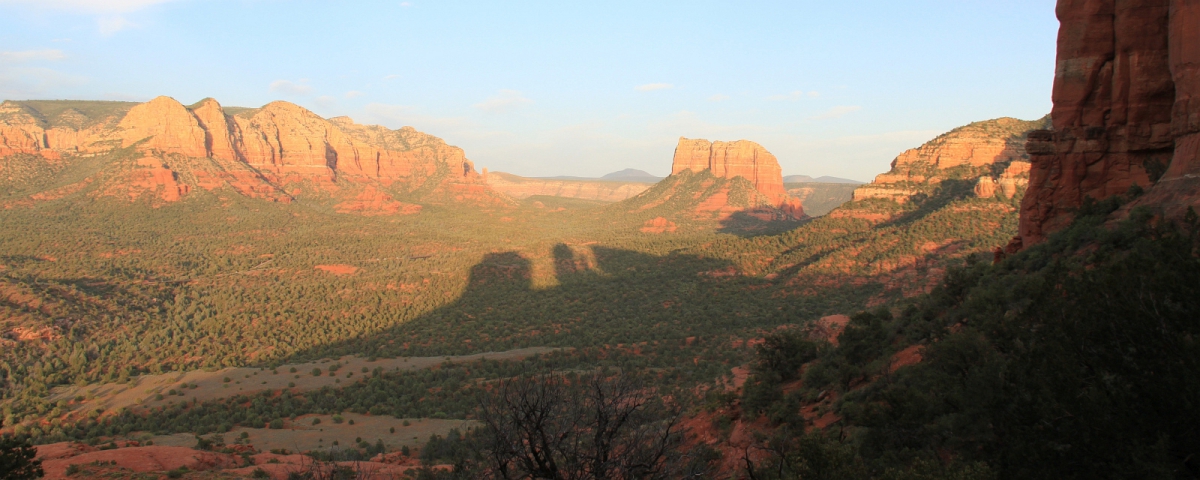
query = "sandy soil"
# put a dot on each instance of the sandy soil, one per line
(143, 390)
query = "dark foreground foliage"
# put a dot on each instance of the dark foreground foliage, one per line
(1075, 359)
(569, 426)
(17, 459)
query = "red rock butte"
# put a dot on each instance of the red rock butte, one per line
(742, 158)
(1126, 111)
(280, 138)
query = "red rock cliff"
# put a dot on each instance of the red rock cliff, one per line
(281, 138)
(1126, 111)
(972, 152)
(742, 158)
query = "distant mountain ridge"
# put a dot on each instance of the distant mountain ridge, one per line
(821, 179)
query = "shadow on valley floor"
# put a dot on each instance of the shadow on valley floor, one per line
(604, 296)
(757, 223)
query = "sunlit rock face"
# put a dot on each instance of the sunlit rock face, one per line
(280, 137)
(977, 151)
(1126, 112)
(742, 158)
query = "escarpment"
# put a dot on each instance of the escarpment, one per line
(990, 154)
(1126, 112)
(280, 138)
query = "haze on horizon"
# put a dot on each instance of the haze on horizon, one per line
(553, 88)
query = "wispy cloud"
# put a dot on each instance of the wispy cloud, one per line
(650, 87)
(354, 94)
(289, 87)
(718, 98)
(89, 6)
(110, 24)
(406, 4)
(793, 96)
(504, 101)
(392, 76)
(31, 55)
(837, 112)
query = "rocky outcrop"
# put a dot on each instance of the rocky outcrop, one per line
(742, 158)
(371, 202)
(152, 177)
(604, 191)
(975, 152)
(281, 138)
(985, 188)
(1126, 112)
(164, 125)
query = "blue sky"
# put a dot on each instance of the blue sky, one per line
(560, 87)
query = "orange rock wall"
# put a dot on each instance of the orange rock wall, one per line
(980, 144)
(281, 138)
(742, 158)
(1126, 111)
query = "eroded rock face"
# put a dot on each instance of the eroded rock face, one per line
(973, 152)
(1126, 111)
(985, 188)
(742, 158)
(164, 125)
(281, 138)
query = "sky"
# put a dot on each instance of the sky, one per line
(546, 88)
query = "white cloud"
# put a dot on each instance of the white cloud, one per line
(89, 6)
(837, 112)
(649, 87)
(502, 102)
(718, 98)
(31, 55)
(289, 87)
(793, 96)
(110, 24)
(354, 94)
(406, 4)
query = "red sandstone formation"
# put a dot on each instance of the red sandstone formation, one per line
(972, 149)
(1126, 111)
(986, 188)
(152, 177)
(659, 225)
(371, 202)
(166, 126)
(280, 139)
(742, 158)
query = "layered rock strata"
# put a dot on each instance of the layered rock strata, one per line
(742, 158)
(281, 138)
(1126, 111)
(991, 154)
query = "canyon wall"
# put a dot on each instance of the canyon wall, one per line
(991, 154)
(280, 138)
(1126, 112)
